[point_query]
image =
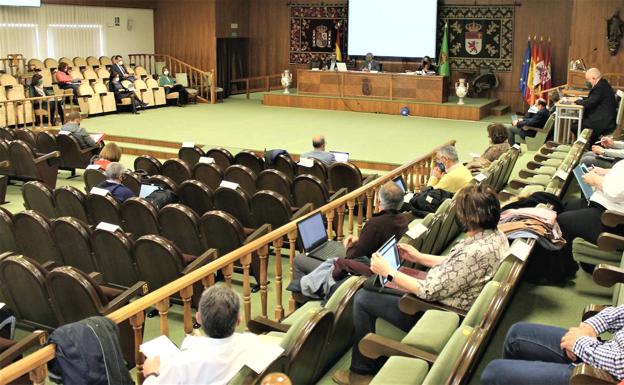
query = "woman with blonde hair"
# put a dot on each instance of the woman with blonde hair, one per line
(110, 153)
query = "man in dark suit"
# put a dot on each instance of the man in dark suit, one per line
(600, 106)
(118, 68)
(535, 119)
(370, 64)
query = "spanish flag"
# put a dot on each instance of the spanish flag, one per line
(338, 48)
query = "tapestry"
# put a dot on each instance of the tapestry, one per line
(314, 29)
(480, 36)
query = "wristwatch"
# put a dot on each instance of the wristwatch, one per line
(389, 277)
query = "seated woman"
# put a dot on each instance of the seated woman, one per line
(65, 80)
(51, 106)
(454, 280)
(121, 92)
(426, 65)
(498, 146)
(582, 219)
(110, 153)
(170, 85)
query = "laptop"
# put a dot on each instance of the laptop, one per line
(586, 189)
(407, 195)
(390, 253)
(147, 189)
(314, 239)
(340, 156)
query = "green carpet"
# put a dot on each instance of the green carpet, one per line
(238, 123)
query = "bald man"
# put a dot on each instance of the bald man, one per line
(318, 142)
(600, 106)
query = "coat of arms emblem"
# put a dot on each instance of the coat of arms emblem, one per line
(321, 36)
(474, 38)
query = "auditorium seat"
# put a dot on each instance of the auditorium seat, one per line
(105, 62)
(148, 164)
(222, 157)
(103, 74)
(140, 72)
(159, 262)
(191, 155)
(285, 164)
(250, 160)
(534, 143)
(140, 217)
(88, 101)
(34, 237)
(162, 181)
(76, 253)
(23, 281)
(70, 202)
(39, 197)
(27, 137)
(77, 295)
(8, 170)
(176, 169)
(160, 98)
(7, 231)
(93, 62)
(347, 175)
(180, 225)
(243, 176)
(132, 181)
(318, 169)
(35, 64)
(143, 92)
(6, 134)
(605, 251)
(45, 142)
(112, 253)
(51, 63)
(24, 110)
(277, 181)
(103, 208)
(107, 98)
(235, 202)
(272, 208)
(93, 177)
(182, 79)
(72, 156)
(196, 195)
(67, 61)
(310, 189)
(209, 174)
(90, 75)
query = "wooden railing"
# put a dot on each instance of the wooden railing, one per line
(31, 112)
(257, 83)
(415, 173)
(15, 67)
(201, 80)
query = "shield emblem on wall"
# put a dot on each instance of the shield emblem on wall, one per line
(321, 37)
(474, 39)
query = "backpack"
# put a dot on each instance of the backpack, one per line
(427, 201)
(161, 198)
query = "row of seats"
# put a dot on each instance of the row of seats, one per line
(26, 164)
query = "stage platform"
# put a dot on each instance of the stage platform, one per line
(474, 108)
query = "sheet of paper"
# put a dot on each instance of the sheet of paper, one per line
(581, 140)
(2, 305)
(159, 346)
(107, 227)
(474, 155)
(408, 197)
(227, 184)
(480, 177)
(429, 199)
(206, 159)
(99, 191)
(260, 356)
(306, 162)
(93, 167)
(97, 137)
(416, 231)
(561, 174)
(516, 146)
(188, 144)
(64, 132)
(520, 249)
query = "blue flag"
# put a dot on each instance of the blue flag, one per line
(526, 64)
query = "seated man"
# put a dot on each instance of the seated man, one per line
(600, 106)
(449, 174)
(121, 92)
(118, 68)
(318, 142)
(600, 154)
(211, 359)
(540, 354)
(82, 136)
(537, 120)
(114, 172)
(370, 64)
(384, 224)
(330, 64)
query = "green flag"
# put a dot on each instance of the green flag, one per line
(444, 68)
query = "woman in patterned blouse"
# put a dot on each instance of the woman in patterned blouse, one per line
(454, 280)
(498, 146)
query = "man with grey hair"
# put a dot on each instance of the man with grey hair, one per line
(114, 172)
(386, 223)
(448, 173)
(318, 143)
(214, 358)
(600, 106)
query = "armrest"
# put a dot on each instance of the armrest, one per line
(540, 158)
(532, 165)
(89, 149)
(5, 163)
(369, 178)
(546, 150)
(51, 155)
(517, 184)
(38, 337)
(338, 194)
(610, 242)
(139, 288)
(607, 275)
(591, 310)
(536, 129)
(410, 304)
(374, 346)
(97, 277)
(260, 325)
(526, 173)
(584, 374)
(103, 93)
(612, 218)
(303, 210)
(49, 265)
(260, 231)
(209, 256)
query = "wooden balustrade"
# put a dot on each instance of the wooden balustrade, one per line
(15, 66)
(31, 112)
(415, 172)
(264, 83)
(201, 80)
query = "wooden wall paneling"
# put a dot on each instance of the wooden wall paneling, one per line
(230, 12)
(149, 4)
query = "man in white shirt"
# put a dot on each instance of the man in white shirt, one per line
(582, 219)
(213, 359)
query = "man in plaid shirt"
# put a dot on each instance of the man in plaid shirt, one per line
(539, 354)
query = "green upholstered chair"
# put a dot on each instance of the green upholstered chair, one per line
(534, 143)
(608, 249)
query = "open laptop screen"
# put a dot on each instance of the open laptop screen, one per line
(390, 253)
(147, 189)
(312, 232)
(400, 182)
(340, 156)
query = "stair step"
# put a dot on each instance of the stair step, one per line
(499, 110)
